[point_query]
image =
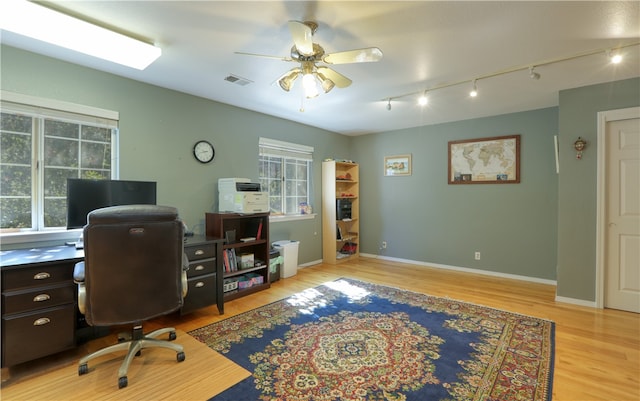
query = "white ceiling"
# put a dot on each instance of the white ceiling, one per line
(425, 44)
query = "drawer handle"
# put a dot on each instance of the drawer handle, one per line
(42, 276)
(199, 267)
(42, 321)
(41, 298)
(199, 284)
(199, 252)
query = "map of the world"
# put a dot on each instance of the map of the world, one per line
(494, 159)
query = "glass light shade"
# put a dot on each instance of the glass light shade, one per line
(309, 85)
(47, 25)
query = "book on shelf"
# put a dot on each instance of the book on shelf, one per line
(230, 260)
(259, 233)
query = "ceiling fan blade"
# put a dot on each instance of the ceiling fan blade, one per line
(265, 56)
(366, 55)
(340, 80)
(302, 37)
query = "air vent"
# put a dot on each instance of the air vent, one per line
(234, 79)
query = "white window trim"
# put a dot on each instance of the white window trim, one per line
(274, 147)
(13, 238)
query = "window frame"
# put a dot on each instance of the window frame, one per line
(288, 152)
(42, 108)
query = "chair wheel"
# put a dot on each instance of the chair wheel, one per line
(122, 382)
(180, 356)
(83, 369)
(172, 335)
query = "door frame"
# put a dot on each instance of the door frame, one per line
(601, 225)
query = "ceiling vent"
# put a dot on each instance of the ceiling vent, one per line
(234, 79)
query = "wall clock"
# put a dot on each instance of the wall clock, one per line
(203, 151)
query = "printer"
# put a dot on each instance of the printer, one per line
(240, 195)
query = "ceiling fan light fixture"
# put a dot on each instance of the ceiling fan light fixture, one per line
(310, 86)
(326, 83)
(287, 80)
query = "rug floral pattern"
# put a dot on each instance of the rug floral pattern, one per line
(351, 340)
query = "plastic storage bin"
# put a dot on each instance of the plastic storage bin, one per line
(275, 265)
(289, 251)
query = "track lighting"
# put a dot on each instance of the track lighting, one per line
(423, 100)
(532, 74)
(474, 91)
(615, 55)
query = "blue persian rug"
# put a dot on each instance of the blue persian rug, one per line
(351, 340)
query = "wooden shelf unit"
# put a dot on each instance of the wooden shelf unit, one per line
(339, 183)
(245, 226)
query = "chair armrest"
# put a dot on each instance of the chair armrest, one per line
(78, 278)
(78, 273)
(185, 282)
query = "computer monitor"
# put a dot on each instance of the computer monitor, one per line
(85, 195)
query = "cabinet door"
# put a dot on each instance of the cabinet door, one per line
(201, 293)
(37, 334)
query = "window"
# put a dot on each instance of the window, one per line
(285, 172)
(42, 146)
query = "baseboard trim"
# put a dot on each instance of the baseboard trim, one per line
(464, 269)
(574, 301)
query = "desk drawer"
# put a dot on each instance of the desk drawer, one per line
(37, 276)
(200, 251)
(201, 267)
(37, 334)
(201, 293)
(37, 298)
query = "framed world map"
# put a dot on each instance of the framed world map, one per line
(494, 160)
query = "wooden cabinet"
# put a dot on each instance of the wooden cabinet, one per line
(340, 211)
(247, 237)
(38, 307)
(203, 277)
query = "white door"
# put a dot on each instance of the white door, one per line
(622, 231)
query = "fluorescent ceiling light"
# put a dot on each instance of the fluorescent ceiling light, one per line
(41, 23)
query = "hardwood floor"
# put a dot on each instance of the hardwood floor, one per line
(597, 351)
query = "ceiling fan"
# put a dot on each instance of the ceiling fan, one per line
(309, 54)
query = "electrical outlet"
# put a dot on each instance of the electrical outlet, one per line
(384, 244)
(477, 255)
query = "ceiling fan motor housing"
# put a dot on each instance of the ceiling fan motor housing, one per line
(318, 52)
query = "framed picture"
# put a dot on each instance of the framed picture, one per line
(397, 165)
(494, 160)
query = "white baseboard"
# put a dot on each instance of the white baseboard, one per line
(579, 302)
(464, 269)
(312, 263)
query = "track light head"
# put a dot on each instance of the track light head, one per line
(389, 104)
(423, 100)
(474, 91)
(532, 74)
(615, 56)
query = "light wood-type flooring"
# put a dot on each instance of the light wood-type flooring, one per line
(597, 351)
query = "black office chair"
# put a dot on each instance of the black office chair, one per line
(134, 269)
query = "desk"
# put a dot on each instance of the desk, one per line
(39, 298)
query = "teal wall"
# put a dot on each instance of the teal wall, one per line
(158, 128)
(423, 218)
(543, 227)
(577, 190)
